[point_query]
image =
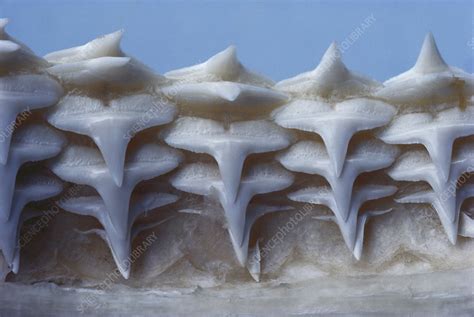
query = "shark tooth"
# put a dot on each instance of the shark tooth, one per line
(100, 62)
(416, 166)
(222, 81)
(203, 179)
(85, 166)
(352, 228)
(330, 79)
(30, 143)
(30, 188)
(14, 56)
(113, 71)
(120, 246)
(436, 133)
(430, 80)
(111, 126)
(451, 227)
(106, 45)
(350, 117)
(311, 158)
(254, 212)
(224, 66)
(4, 36)
(21, 94)
(229, 146)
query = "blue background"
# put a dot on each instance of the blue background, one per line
(276, 38)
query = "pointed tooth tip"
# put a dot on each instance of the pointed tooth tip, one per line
(118, 178)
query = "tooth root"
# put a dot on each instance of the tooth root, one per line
(113, 146)
(230, 163)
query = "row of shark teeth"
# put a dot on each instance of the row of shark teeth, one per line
(311, 157)
(100, 62)
(32, 187)
(436, 133)
(22, 94)
(91, 204)
(350, 116)
(228, 145)
(22, 90)
(352, 227)
(204, 179)
(224, 80)
(31, 143)
(415, 166)
(111, 124)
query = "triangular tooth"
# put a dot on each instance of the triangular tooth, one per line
(15, 266)
(235, 215)
(349, 232)
(429, 59)
(440, 147)
(230, 160)
(113, 146)
(117, 201)
(223, 63)
(342, 189)
(336, 141)
(121, 252)
(332, 57)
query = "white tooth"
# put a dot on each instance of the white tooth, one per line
(114, 71)
(14, 56)
(30, 143)
(352, 228)
(19, 95)
(349, 117)
(430, 80)
(111, 126)
(106, 45)
(4, 36)
(223, 66)
(230, 146)
(331, 79)
(30, 188)
(101, 62)
(148, 161)
(437, 134)
(311, 158)
(416, 166)
(203, 179)
(120, 245)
